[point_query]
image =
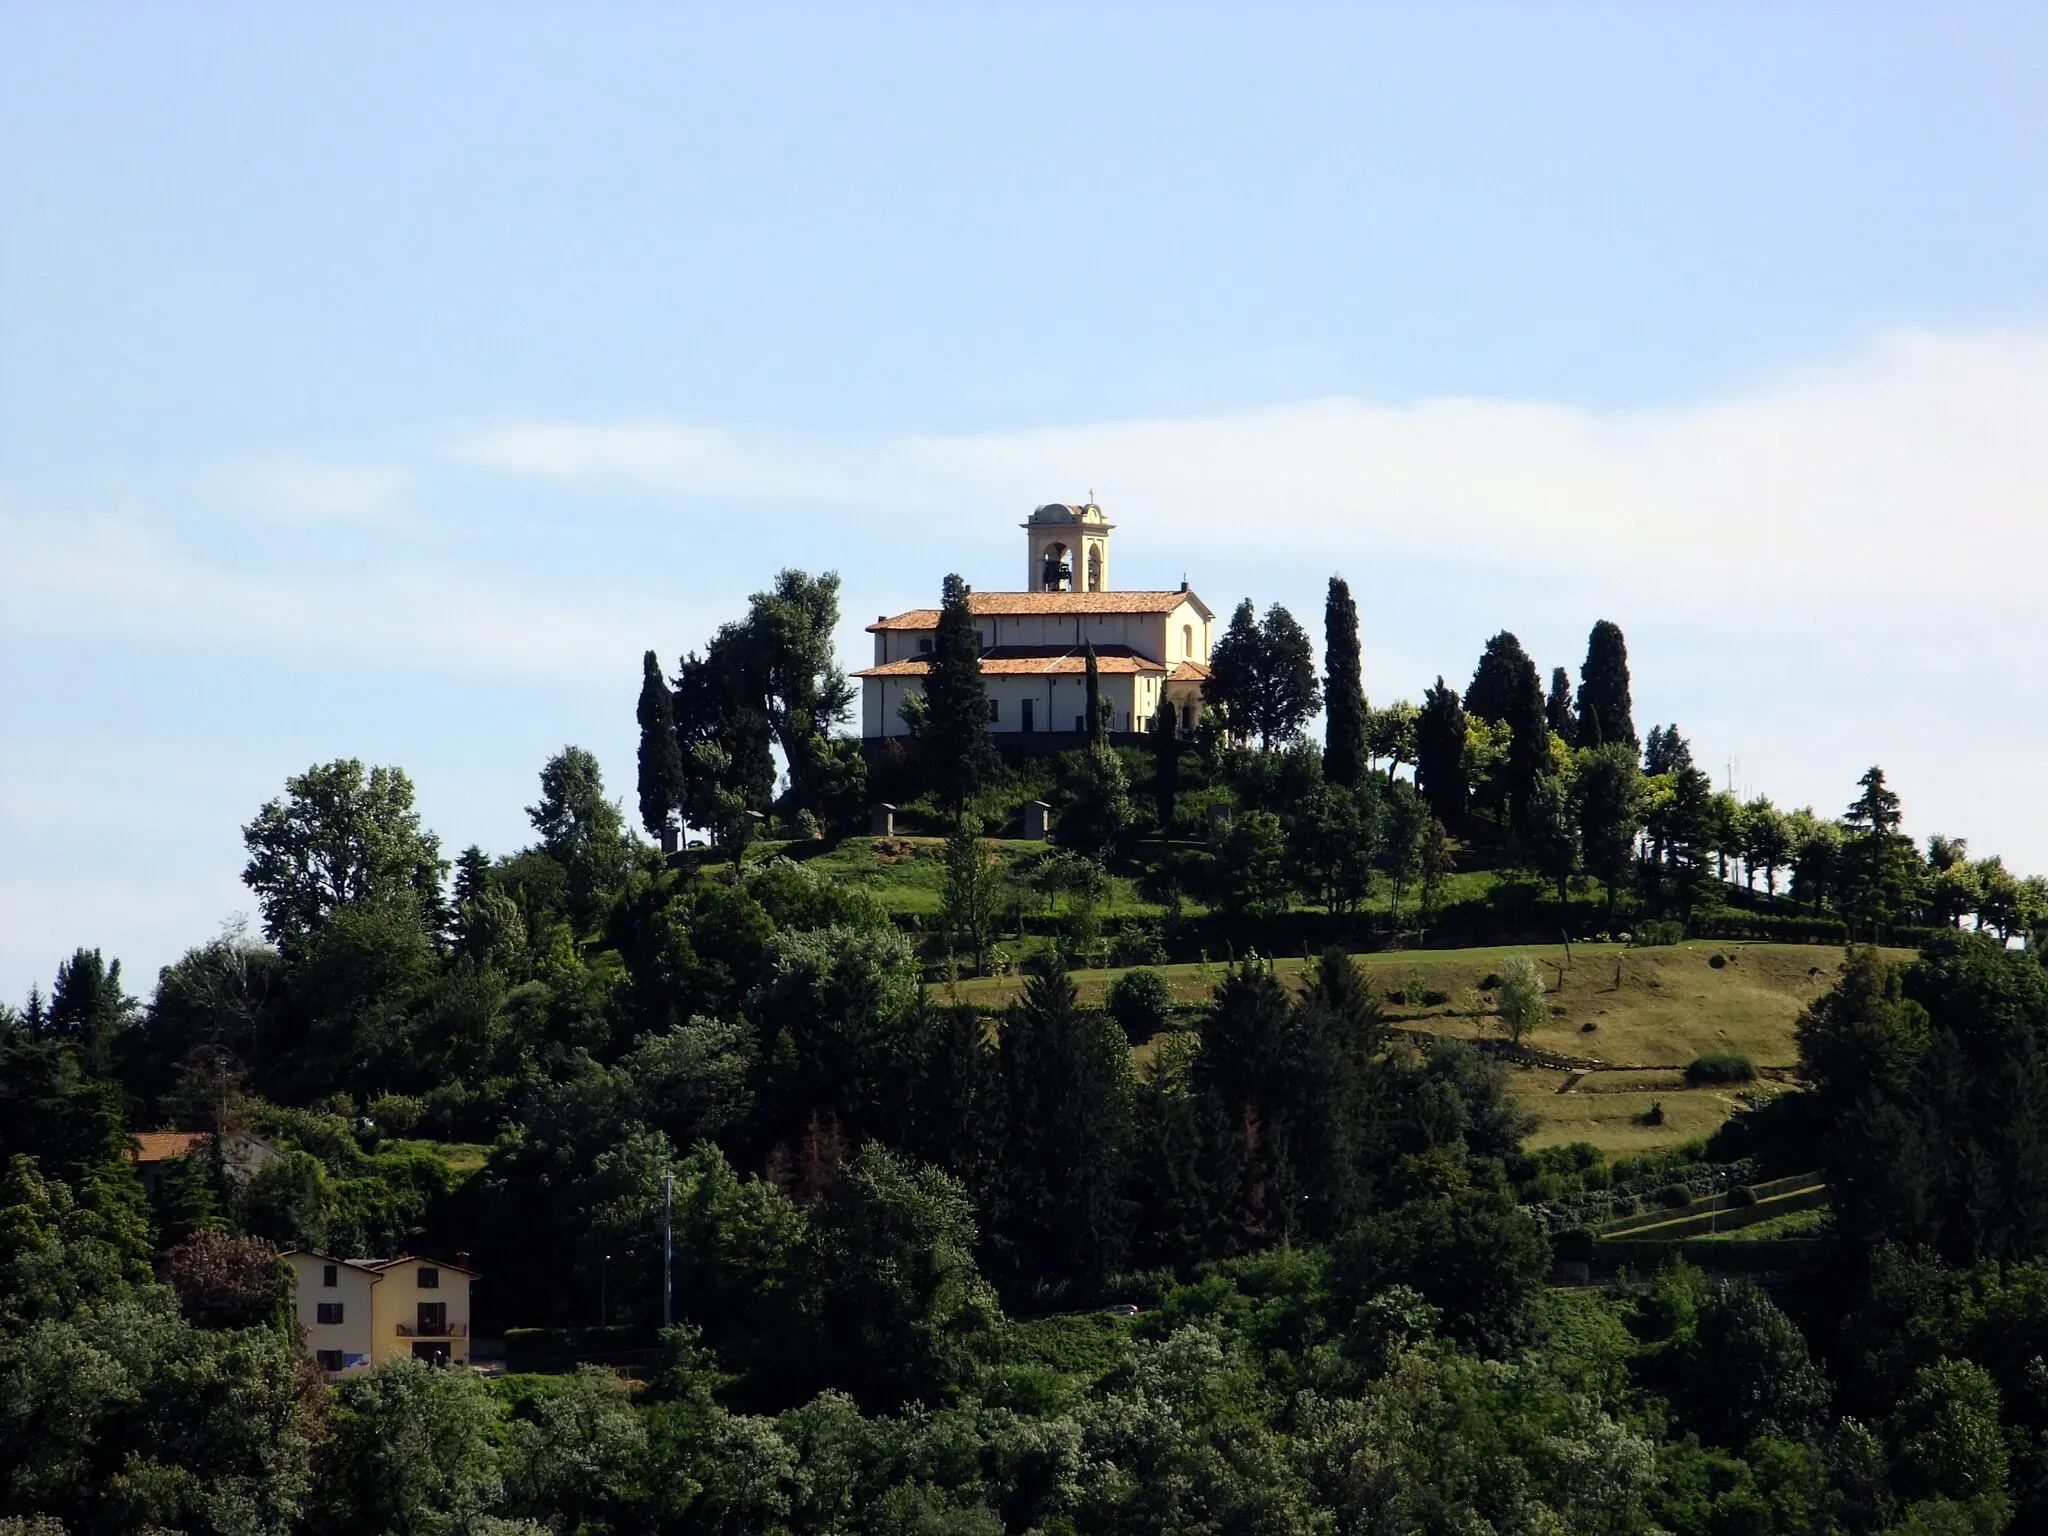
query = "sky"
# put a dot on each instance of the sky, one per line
(381, 381)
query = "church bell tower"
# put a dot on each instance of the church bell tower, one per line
(1069, 549)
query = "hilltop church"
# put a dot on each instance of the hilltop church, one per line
(1149, 644)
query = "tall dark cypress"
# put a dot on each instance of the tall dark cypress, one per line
(1165, 764)
(1557, 708)
(1098, 723)
(1495, 681)
(958, 754)
(1528, 743)
(1440, 754)
(661, 757)
(1344, 711)
(1606, 713)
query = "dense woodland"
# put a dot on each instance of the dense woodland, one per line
(908, 1230)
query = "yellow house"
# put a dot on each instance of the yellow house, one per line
(356, 1313)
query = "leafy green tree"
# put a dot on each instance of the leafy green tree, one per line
(725, 736)
(972, 902)
(1097, 796)
(890, 1289)
(1766, 842)
(1522, 1003)
(662, 786)
(1880, 865)
(1440, 754)
(413, 1451)
(1495, 689)
(1610, 814)
(1391, 735)
(1816, 857)
(1606, 713)
(1474, 1255)
(1346, 714)
(339, 836)
(1949, 1442)
(1553, 835)
(581, 830)
(576, 1457)
(958, 754)
(1437, 864)
(1252, 861)
(89, 1009)
(1141, 1002)
(1236, 667)
(1334, 844)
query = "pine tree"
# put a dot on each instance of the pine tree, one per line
(1606, 713)
(1066, 1075)
(1288, 691)
(1440, 753)
(1345, 713)
(1497, 680)
(958, 754)
(1165, 765)
(1557, 708)
(1235, 667)
(661, 757)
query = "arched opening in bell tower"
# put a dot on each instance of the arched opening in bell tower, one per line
(1057, 574)
(1095, 568)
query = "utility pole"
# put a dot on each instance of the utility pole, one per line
(668, 1200)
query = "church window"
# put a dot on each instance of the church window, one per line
(1187, 641)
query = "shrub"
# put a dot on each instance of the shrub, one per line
(1653, 934)
(1717, 961)
(1141, 1003)
(1726, 1068)
(1742, 1195)
(1673, 1197)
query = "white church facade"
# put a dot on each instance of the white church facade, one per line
(1149, 645)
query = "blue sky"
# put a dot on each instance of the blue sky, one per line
(380, 381)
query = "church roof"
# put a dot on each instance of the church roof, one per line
(1189, 672)
(1033, 661)
(1023, 604)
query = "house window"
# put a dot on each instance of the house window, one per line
(924, 644)
(1024, 720)
(327, 1312)
(330, 1359)
(1080, 724)
(433, 1319)
(994, 714)
(330, 1275)
(430, 1279)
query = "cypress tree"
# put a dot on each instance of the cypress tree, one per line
(1098, 725)
(1606, 713)
(1497, 680)
(958, 754)
(661, 757)
(1165, 765)
(1440, 753)
(1344, 719)
(1528, 743)
(1557, 708)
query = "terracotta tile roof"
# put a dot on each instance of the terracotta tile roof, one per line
(1023, 604)
(1189, 672)
(160, 1146)
(1034, 661)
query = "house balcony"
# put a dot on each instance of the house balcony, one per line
(445, 1331)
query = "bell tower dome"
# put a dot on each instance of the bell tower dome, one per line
(1069, 549)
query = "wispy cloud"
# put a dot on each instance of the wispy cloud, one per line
(1917, 469)
(301, 491)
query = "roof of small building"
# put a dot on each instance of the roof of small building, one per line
(1026, 604)
(1034, 661)
(161, 1146)
(1189, 672)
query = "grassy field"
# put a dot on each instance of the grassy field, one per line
(1657, 1008)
